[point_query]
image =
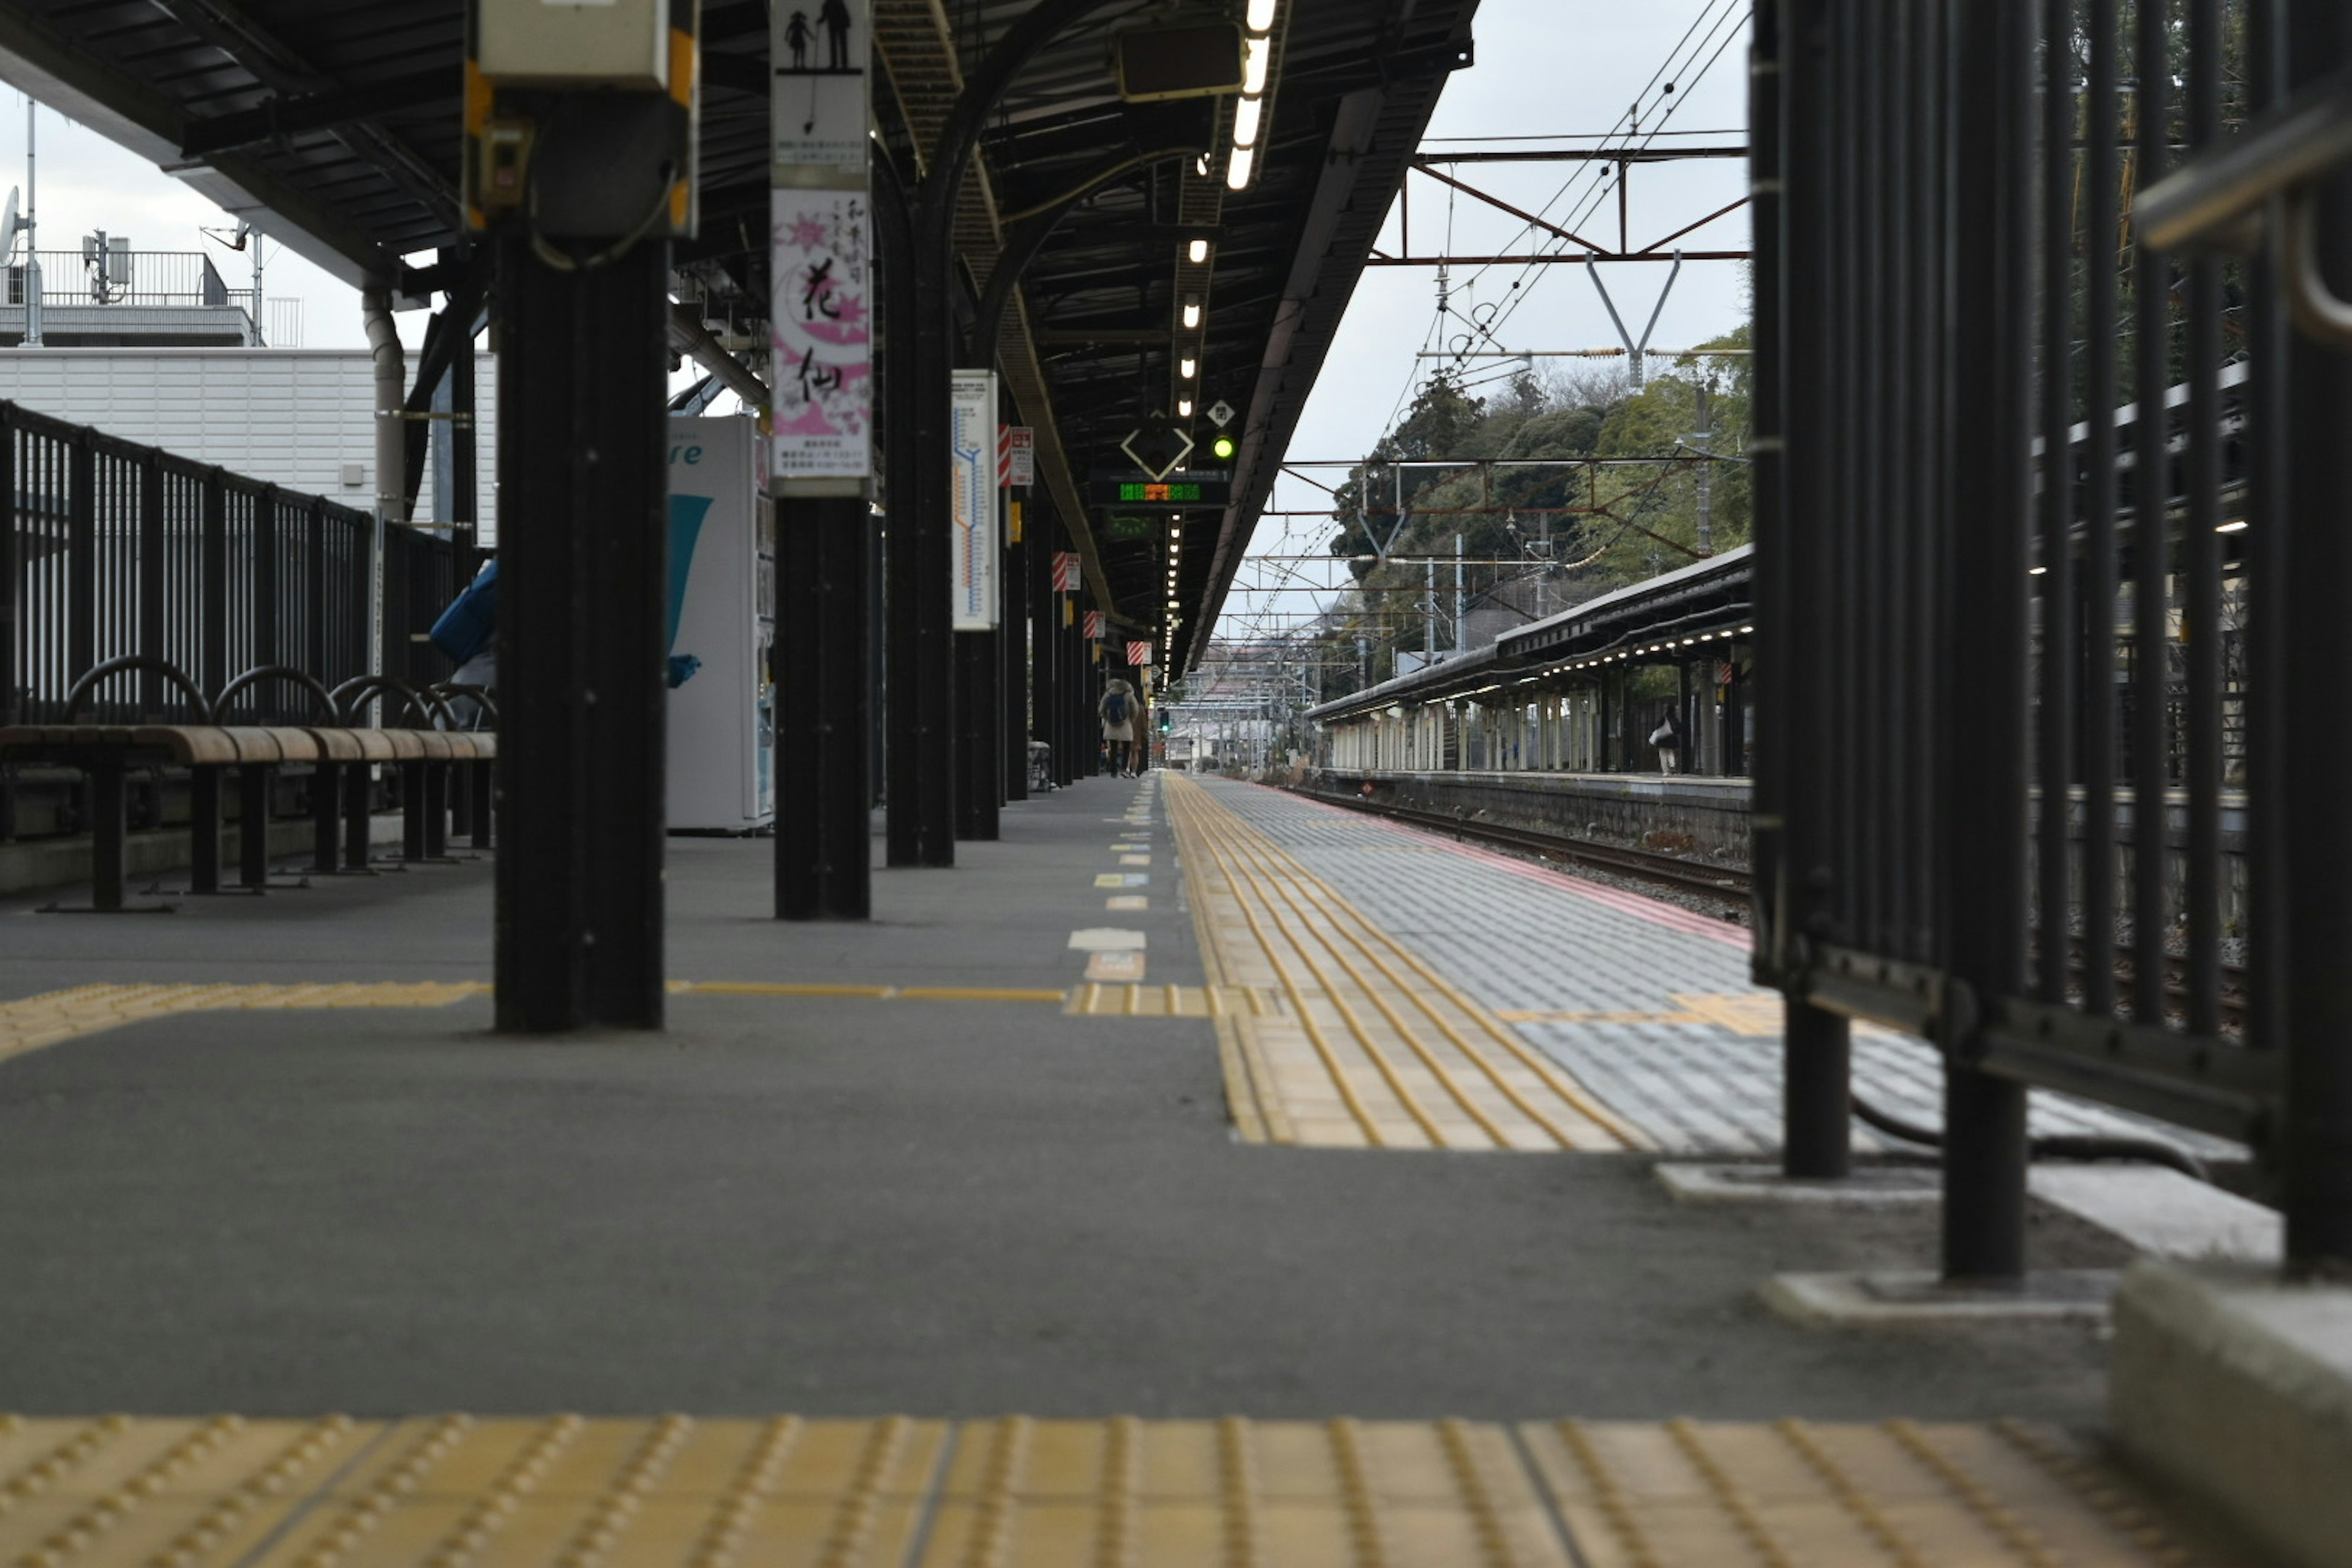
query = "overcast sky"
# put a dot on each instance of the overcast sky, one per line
(1556, 71)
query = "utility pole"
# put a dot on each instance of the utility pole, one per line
(1461, 605)
(32, 238)
(253, 237)
(1429, 613)
(1704, 440)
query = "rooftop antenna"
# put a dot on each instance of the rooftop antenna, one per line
(246, 238)
(32, 254)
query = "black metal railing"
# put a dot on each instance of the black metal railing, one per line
(114, 548)
(2028, 496)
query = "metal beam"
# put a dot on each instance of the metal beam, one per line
(295, 113)
(35, 59)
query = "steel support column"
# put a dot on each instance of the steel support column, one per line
(978, 780)
(913, 248)
(2310, 569)
(1816, 1117)
(824, 712)
(1981, 749)
(584, 541)
(1045, 689)
(1016, 681)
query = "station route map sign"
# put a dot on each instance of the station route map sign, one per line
(971, 543)
(818, 105)
(822, 324)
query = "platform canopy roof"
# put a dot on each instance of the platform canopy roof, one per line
(334, 125)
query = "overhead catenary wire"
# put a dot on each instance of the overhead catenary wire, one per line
(1719, 36)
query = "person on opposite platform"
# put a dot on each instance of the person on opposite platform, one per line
(1117, 710)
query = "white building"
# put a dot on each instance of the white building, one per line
(303, 418)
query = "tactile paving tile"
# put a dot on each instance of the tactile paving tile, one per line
(1646, 1004)
(33, 1022)
(455, 1491)
(1374, 1048)
(1172, 1000)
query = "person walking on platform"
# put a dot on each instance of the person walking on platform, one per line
(1117, 710)
(1669, 744)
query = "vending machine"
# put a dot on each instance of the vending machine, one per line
(722, 618)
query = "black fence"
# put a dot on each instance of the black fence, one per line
(113, 548)
(2049, 526)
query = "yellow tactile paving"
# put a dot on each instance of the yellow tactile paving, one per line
(36, 1021)
(1375, 1048)
(566, 1492)
(1172, 1000)
(33, 1022)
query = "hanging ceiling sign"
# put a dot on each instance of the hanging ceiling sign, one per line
(822, 326)
(1157, 450)
(1018, 463)
(972, 546)
(818, 102)
(820, 248)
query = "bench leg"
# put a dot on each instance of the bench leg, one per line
(109, 836)
(325, 817)
(204, 830)
(412, 810)
(482, 778)
(461, 799)
(253, 827)
(358, 780)
(437, 811)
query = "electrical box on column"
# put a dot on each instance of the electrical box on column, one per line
(581, 120)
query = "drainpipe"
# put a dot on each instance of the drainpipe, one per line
(391, 394)
(391, 452)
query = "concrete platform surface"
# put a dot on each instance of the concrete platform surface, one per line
(867, 1169)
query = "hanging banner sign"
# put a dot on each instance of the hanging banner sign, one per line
(822, 326)
(1019, 464)
(972, 545)
(1066, 570)
(1139, 653)
(818, 101)
(1093, 625)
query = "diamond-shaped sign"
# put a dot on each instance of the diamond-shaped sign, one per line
(1220, 413)
(1158, 450)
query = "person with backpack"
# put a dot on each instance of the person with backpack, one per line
(1668, 743)
(1117, 710)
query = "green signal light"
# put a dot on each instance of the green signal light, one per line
(1224, 447)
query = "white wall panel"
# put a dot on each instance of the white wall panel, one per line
(292, 417)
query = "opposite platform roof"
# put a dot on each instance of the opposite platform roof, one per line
(1704, 597)
(335, 125)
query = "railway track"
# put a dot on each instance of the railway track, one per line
(1728, 883)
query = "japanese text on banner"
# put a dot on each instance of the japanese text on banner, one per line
(824, 334)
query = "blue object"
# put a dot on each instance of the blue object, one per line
(682, 666)
(686, 515)
(469, 622)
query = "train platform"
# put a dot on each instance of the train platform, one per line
(1197, 1174)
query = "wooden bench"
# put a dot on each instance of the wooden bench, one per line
(342, 756)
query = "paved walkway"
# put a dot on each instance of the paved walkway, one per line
(1643, 1006)
(443, 1491)
(971, 1163)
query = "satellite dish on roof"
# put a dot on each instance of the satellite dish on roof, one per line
(10, 224)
